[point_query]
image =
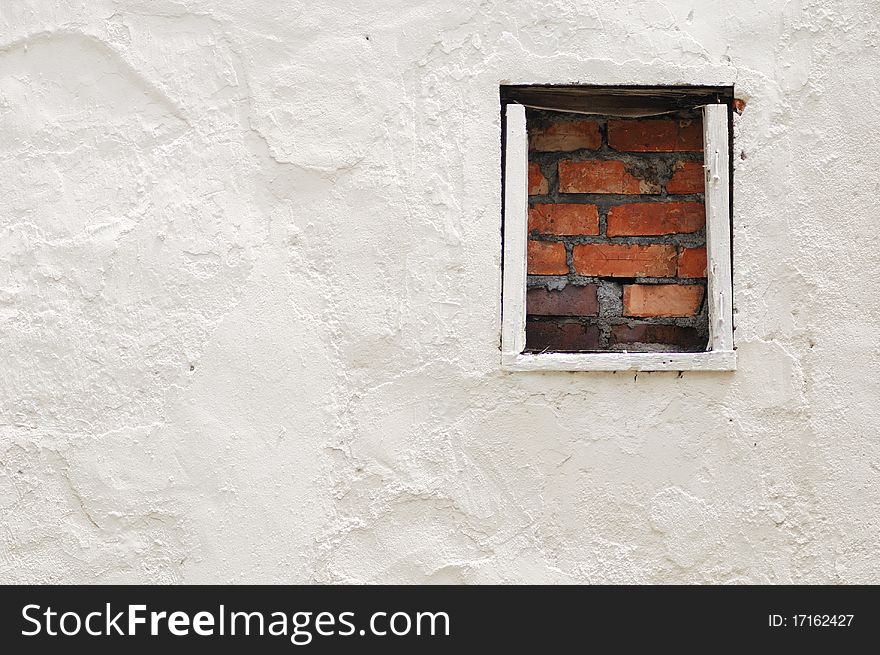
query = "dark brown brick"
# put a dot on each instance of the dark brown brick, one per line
(571, 301)
(686, 338)
(556, 336)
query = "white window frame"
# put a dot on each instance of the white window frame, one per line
(719, 355)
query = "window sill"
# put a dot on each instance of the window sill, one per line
(717, 360)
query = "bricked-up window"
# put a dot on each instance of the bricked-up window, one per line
(617, 249)
(623, 195)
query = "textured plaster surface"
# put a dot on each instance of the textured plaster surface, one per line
(250, 301)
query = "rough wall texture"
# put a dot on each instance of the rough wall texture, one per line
(250, 301)
(617, 233)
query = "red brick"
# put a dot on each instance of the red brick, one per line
(688, 177)
(600, 177)
(546, 258)
(685, 338)
(692, 262)
(607, 260)
(565, 136)
(650, 218)
(739, 105)
(538, 185)
(564, 219)
(656, 135)
(571, 301)
(554, 336)
(661, 299)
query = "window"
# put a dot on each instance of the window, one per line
(617, 252)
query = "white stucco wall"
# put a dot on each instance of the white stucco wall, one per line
(250, 298)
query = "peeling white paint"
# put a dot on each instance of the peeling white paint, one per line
(250, 301)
